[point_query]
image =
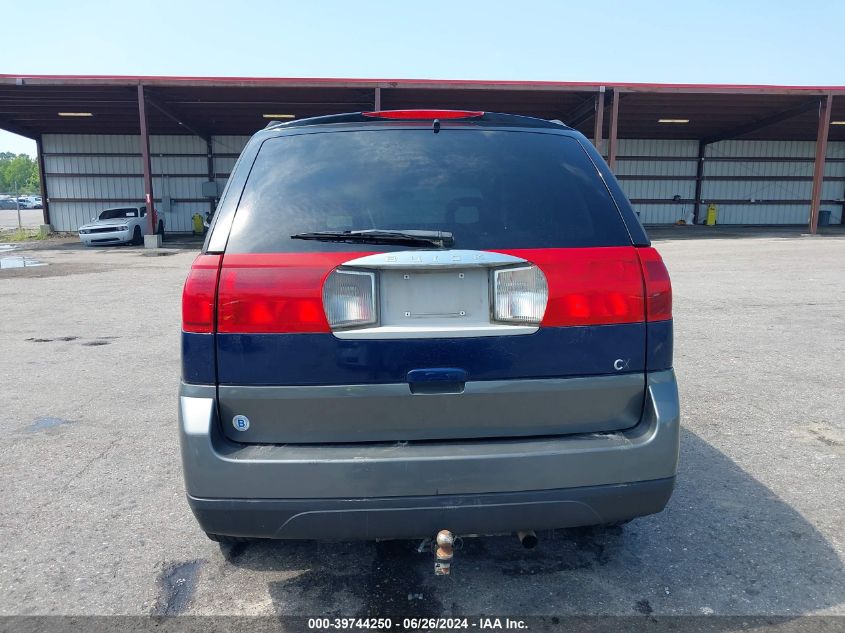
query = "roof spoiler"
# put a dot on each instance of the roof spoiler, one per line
(479, 117)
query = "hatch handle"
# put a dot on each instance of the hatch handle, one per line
(437, 380)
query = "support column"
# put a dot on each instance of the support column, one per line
(614, 125)
(818, 168)
(377, 99)
(598, 132)
(145, 160)
(42, 179)
(209, 151)
(842, 214)
(699, 181)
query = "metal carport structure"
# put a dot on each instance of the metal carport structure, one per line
(688, 120)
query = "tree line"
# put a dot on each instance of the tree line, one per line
(21, 169)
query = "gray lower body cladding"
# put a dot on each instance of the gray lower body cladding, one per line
(412, 517)
(384, 490)
(391, 412)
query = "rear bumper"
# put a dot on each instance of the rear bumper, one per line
(403, 490)
(411, 517)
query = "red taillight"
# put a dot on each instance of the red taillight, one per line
(275, 293)
(589, 286)
(424, 114)
(198, 294)
(658, 287)
(283, 292)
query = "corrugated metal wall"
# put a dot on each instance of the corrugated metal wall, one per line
(87, 173)
(777, 181)
(652, 172)
(751, 182)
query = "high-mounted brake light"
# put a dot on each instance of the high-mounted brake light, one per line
(198, 294)
(658, 287)
(428, 115)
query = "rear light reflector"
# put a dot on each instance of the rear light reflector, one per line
(658, 287)
(349, 299)
(520, 295)
(198, 294)
(424, 114)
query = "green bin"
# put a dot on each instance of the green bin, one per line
(824, 217)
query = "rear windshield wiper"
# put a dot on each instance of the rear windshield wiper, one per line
(440, 239)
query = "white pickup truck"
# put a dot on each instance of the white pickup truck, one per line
(119, 225)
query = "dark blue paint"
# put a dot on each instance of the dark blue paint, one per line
(322, 359)
(660, 343)
(198, 358)
(437, 374)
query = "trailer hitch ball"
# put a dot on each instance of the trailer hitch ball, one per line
(444, 553)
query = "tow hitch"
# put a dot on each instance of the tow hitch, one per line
(444, 553)
(444, 548)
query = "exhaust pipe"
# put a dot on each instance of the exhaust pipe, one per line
(528, 539)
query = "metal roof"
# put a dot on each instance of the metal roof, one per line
(30, 104)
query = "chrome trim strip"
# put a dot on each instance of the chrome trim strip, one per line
(435, 259)
(406, 332)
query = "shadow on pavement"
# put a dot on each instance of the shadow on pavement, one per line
(725, 544)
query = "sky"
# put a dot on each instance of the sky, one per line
(681, 41)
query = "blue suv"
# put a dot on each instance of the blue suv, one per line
(408, 321)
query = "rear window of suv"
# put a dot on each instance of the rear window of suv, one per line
(490, 188)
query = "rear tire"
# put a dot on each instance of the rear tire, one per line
(137, 238)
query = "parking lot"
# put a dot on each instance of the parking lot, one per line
(30, 218)
(93, 518)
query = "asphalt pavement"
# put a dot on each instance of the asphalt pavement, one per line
(93, 518)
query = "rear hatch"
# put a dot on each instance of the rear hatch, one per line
(409, 282)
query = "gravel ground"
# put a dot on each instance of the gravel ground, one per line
(93, 518)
